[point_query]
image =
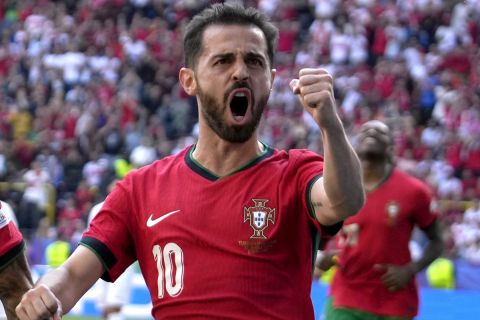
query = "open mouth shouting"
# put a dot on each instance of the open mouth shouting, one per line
(240, 102)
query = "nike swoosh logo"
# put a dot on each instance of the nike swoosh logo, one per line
(151, 222)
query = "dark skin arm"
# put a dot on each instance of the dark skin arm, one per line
(397, 277)
(15, 280)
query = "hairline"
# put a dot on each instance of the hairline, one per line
(253, 18)
(233, 23)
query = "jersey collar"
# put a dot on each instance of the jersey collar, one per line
(198, 168)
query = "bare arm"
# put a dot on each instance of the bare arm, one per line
(340, 192)
(60, 289)
(15, 280)
(397, 277)
(432, 251)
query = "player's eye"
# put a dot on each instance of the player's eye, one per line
(255, 61)
(221, 61)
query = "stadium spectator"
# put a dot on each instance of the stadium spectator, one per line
(466, 234)
(60, 249)
(70, 212)
(144, 153)
(231, 78)
(35, 197)
(375, 275)
(449, 187)
(44, 235)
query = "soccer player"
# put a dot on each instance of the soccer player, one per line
(15, 278)
(375, 276)
(227, 228)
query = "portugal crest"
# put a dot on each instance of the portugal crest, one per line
(259, 215)
(393, 209)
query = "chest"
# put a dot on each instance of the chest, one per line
(247, 212)
(387, 208)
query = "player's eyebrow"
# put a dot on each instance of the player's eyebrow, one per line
(226, 55)
(255, 55)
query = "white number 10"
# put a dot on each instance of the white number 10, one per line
(172, 255)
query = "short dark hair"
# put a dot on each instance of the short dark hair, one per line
(226, 14)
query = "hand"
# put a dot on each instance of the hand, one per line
(39, 303)
(395, 277)
(108, 310)
(314, 88)
(327, 259)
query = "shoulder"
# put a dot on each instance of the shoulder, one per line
(294, 158)
(306, 160)
(411, 183)
(150, 175)
(301, 155)
(163, 164)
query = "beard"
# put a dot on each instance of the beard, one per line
(374, 156)
(213, 112)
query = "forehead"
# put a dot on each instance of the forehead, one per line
(218, 39)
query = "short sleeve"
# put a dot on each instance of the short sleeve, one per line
(307, 168)
(11, 239)
(109, 235)
(426, 211)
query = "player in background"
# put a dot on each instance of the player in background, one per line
(112, 296)
(15, 277)
(375, 275)
(227, 228)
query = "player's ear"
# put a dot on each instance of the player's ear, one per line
(273, 72)
(186, 77)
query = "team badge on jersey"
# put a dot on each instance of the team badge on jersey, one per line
(259, 216)
(4, 218)
(393, 209)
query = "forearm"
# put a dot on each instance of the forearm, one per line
(342, 173)
(432, 251)
(15, 280)
(58, 291)
(66, 287)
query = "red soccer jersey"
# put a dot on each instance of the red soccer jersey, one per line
(11, 240)
(234, 247)
(379, 234)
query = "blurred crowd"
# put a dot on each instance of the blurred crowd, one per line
(89, 90)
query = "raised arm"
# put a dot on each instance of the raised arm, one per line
(60, 289)
(15, 280)
(339, 193)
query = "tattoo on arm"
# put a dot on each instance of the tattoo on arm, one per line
(15, 280)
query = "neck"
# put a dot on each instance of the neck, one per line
(222, 157)
(374, 174)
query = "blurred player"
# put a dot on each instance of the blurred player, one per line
(113, 296)
(226, 228)
(15, 278)
(375, 276)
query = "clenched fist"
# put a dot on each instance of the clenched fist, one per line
(314, 88)
(39, 303)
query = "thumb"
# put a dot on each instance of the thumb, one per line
(294, 86)
(58, 314)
